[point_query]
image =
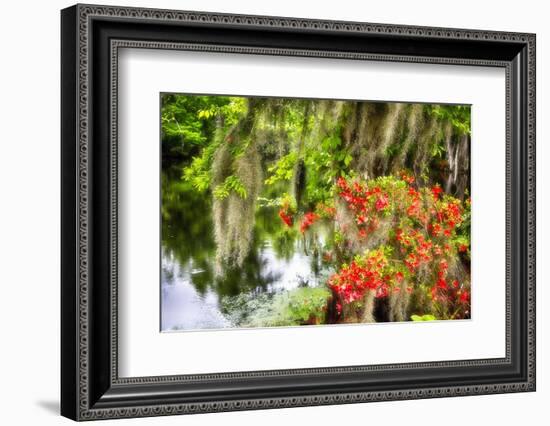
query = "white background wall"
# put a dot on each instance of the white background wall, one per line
(29, 212)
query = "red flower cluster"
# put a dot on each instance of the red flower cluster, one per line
(448, 215)
(426, 222)
(453, 295)
(407, 178)
(416, 206)
(366, 203)
(308, 220)
(325, 210)
(415, 247)
(361, 198)
(368, 273)
(436, 191)
(287, 219)
(381, 202)
(285, 214)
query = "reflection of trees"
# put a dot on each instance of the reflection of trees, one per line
(243, 159)
(246, 278)
(185, 233)
(268, 229)
(187, 236)
(286, 241)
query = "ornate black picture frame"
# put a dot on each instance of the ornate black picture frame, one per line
(91, 36)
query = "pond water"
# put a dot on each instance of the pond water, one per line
(191, 293)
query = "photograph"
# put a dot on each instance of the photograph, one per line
(283, 212)
(274, 208)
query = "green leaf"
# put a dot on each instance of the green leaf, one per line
(426, 317)
(231, 183)
(347, 159)
(283, 169)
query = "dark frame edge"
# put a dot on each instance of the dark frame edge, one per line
(79, 403)
(69, 188)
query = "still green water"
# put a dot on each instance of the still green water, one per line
(192, 296)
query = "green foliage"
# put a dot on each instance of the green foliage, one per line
(438, 150)
(427, 317)
(307, 304)
(276, 202)
(239, 308)
(194, 126)
(182, 125)
(300, 306)
(324, 164)
(198, 173)
(458, 115)
(231, 183)
(283, 169)
(463, 236)
(188, 122)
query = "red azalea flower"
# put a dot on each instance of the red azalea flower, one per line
(436, 229)
(361, 219)
(308, 220)
(342, 184)
(287, 219)
(382, 202)
(413, 192)
(399, 234)
(441, 283)
(407, 178)
(325, 210)
(382, 291)
(436, 190)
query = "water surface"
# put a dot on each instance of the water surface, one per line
(191, 294)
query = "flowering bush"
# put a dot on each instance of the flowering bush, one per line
(366, 277)
(286, 217)
(308, 220)
(325, 211)
(393, 241)
(287, 211)
(420, 250)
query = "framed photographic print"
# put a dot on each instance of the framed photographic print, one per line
(263, 212)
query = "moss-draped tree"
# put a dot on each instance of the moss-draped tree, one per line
(250, 152)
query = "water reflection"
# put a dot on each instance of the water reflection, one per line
(191, 294)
